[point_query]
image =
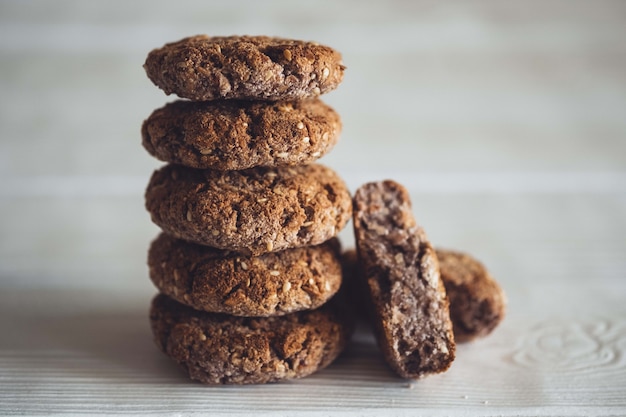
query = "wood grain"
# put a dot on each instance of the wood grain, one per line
(91, 359)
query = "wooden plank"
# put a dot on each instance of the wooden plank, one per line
(98, 360)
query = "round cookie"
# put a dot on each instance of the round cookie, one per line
(253, 211)
(235, 135)
(220, 281)
(477, 302)
(221, 349)
(244, 67)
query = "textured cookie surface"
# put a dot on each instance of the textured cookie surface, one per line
(477, 302)
(253, 211)
(220, 349)
(408, 300)
(225, 282)
(244, 67)
(236, 135)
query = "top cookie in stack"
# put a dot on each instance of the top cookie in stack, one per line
(204, 68)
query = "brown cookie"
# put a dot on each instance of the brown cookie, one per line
(244, 67)
(235, 135)
(220, 281)
(220, 349)
(253, 211)
(477, 302)
(408, 299)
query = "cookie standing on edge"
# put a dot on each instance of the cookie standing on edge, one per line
(244, 67)
(409, 304)
(253, 211)
(219, 281)
(220, 349)
(477, 302)
(236, 135)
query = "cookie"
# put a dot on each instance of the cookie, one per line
(220, 281)
(221, 349)
(252, 211)
(244, 67)
(477, 302)
(409, 306)
(236, 135)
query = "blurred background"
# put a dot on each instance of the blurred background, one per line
(462, 101)
(505, 120)
(474, 105)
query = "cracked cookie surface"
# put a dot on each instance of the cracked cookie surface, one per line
(408, 302)
(244, 67)
(220, 281)
(236, 135)
(221, 349)
(252, 211)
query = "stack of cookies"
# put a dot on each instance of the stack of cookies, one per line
(248, 265)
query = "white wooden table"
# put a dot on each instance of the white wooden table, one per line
(506, 120)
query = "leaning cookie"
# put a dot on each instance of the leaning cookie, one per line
(221, 349)
(409, 307)
(236, 135)
(477, 302)
(219, 281)
(244, 67)
(253, 211)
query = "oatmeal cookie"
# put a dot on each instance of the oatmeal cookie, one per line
(220, 281)
(221, 349)
(244, 67)
(408, 302)
(236, 135)
(252, 211)
(477, 302)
